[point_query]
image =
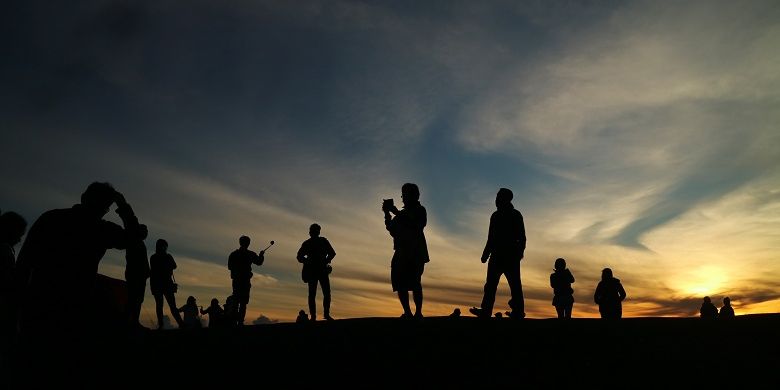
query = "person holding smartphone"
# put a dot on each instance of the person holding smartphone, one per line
(411, 250)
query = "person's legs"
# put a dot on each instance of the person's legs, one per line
(312, 299)
(171, 298)
(417, 292)
(158, 307)
(567, 310)
(403, 297)
(417, 295)
(325, 283)
(491, 284)
(512, 273)
(560, 310)
(241, 289)
(135, 298)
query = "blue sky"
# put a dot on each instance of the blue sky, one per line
(637, 135)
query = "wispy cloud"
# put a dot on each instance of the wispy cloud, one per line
(640, 136)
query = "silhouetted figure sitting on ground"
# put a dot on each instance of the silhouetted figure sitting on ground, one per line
(240, 265)
(60, 259)
(231, 311)
(609, 295)
(136, 272)
(162, 284)
(216, 314)
(455, 313)
(708, 310)
(503, 252)
(563, 295)
(191, 314)
(411, 249)
(726, 311)
(302, 317)
(316, 253)
(12, 228)
(499, 314)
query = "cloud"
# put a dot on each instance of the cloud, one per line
(638, 136)
(263, 320)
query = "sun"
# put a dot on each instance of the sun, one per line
(706, 280)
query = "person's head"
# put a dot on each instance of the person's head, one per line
(606, 274)
(98, 198)
(244, 242)
(560, 264)
(410, 193)
(143, 232)
(301, 313)
(504, 197)
(162, 246)
(214, 302)
(190, 300)
(707, 300)
(727, 301)
(12, 228)
(314, 230)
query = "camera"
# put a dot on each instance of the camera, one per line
(387, 204)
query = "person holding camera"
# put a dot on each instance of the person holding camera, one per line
(240, 265)
(411, 250)
(316, 253)
(162, 284)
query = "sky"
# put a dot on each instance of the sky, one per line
(637, 135)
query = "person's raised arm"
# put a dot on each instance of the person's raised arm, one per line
(571, 276)
(259, 258)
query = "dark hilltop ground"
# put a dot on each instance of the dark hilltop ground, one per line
(433, 353)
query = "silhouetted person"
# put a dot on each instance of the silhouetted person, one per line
(503, 251)
(609, 295)
(726, 311)
(302, 318)
(231, 311)
(240, 266)
(316, 253)
(162, 284)
(708, 310)
(136, 272)
(60, 259)
(12, 228)
(191, 314)
(411, 250)
(216, 314)
(455, 313)
(563, 294)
